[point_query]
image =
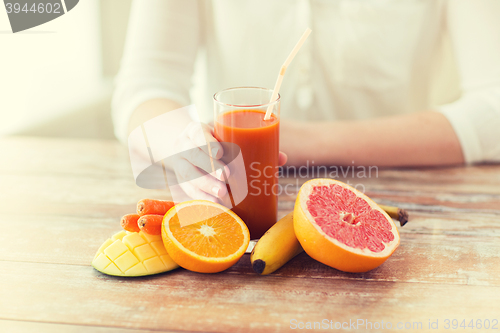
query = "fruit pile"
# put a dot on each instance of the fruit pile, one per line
(198, 235)
(138, 250)
(332, 222)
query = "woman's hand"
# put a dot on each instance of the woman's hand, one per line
(194, 158)
(188, 165)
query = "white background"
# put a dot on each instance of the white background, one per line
(48, 70)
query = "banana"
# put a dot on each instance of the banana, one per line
(396, 213)
(278, 246)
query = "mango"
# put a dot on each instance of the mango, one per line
(133, 254)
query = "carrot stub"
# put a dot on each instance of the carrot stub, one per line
(129, 222)
(154, 207)
(150, 224)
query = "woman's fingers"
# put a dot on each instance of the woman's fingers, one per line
(200, 159)
(193, 181)
(201, 135)
(196, 193)
(282, 159)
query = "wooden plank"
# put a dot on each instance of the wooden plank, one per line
(54, 239)
(56, 195)
(39, 194)
(42, 156)
(109, 159)
(416, 260)
(54, 168)
(183, 300)
(39, 327)
(439, 201)
(434, 249)
(414, 199)
(471, 179)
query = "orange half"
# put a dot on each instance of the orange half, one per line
(203, 236)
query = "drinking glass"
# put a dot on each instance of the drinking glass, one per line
(239, 120)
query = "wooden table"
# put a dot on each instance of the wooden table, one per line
(60, 199)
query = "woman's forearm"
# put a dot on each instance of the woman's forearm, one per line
(150, 109)
(172, 130)
(419, 139)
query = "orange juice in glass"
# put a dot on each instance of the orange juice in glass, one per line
(239, 119)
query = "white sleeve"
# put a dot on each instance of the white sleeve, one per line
(474, 28)
(158, 61)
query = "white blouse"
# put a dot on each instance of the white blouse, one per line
(363, 59)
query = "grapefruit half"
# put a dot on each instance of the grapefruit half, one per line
(343, 228)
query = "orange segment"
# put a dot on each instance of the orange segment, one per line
(203, 236)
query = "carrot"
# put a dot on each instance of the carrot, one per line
(154, 207)
(150, 224)
(129, 222)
